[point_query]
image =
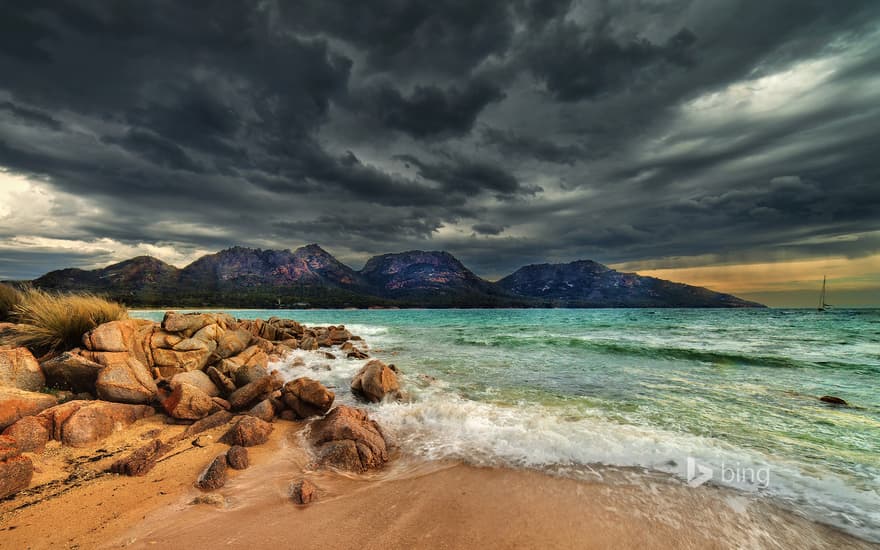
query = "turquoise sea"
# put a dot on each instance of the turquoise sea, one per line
(733, 391)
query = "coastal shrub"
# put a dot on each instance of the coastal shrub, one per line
(9, 298)
(49, 321)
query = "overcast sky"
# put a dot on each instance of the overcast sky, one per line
(722, 142)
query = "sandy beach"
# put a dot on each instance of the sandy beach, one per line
(411, 503)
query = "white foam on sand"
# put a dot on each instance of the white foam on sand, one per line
(439, 425)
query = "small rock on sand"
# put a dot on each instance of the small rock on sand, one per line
(211, 499)
(247, 432)
(237, 457)
(303, 491)
(215, 476)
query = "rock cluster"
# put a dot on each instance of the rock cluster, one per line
(185, 362)
(76, 423)
(205, 369)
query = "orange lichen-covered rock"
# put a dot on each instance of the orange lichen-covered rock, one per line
(348, 439)
(375, 381)
(19, 369)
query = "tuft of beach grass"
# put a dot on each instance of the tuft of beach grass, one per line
(9, 298)
(49, 321)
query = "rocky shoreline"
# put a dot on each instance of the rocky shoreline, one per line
(207, 371)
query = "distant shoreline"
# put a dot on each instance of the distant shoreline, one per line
(441, 308)
(161, 309)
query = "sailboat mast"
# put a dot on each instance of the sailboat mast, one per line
(822, 305)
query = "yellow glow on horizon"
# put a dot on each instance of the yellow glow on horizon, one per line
(847, 274)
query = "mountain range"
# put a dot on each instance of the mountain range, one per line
(311, 277)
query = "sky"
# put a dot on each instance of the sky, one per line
(731, 144)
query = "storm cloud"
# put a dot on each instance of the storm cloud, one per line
(504, 132)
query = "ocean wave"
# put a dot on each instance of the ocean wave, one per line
(366, 331)
(442, 426)
(655, 351)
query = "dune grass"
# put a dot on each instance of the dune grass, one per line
(9, 298)
(49, 321)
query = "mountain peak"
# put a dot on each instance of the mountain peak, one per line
(585, 283)
(420, 271)
(314, 251)
(142, 261)
(135, 273)
(576, 264)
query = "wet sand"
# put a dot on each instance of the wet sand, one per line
(411, 504)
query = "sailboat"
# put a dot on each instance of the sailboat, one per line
(822, 305)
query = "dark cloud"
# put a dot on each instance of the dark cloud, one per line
(536, 13)
(470, 177)
(29, 116)
(446, 36)
(488, 228)
(155, 149)
(576, 63)
(370, 184)
(360, 236)
(524, 147)
(20, 37)
(505, 132)
(430, 111)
